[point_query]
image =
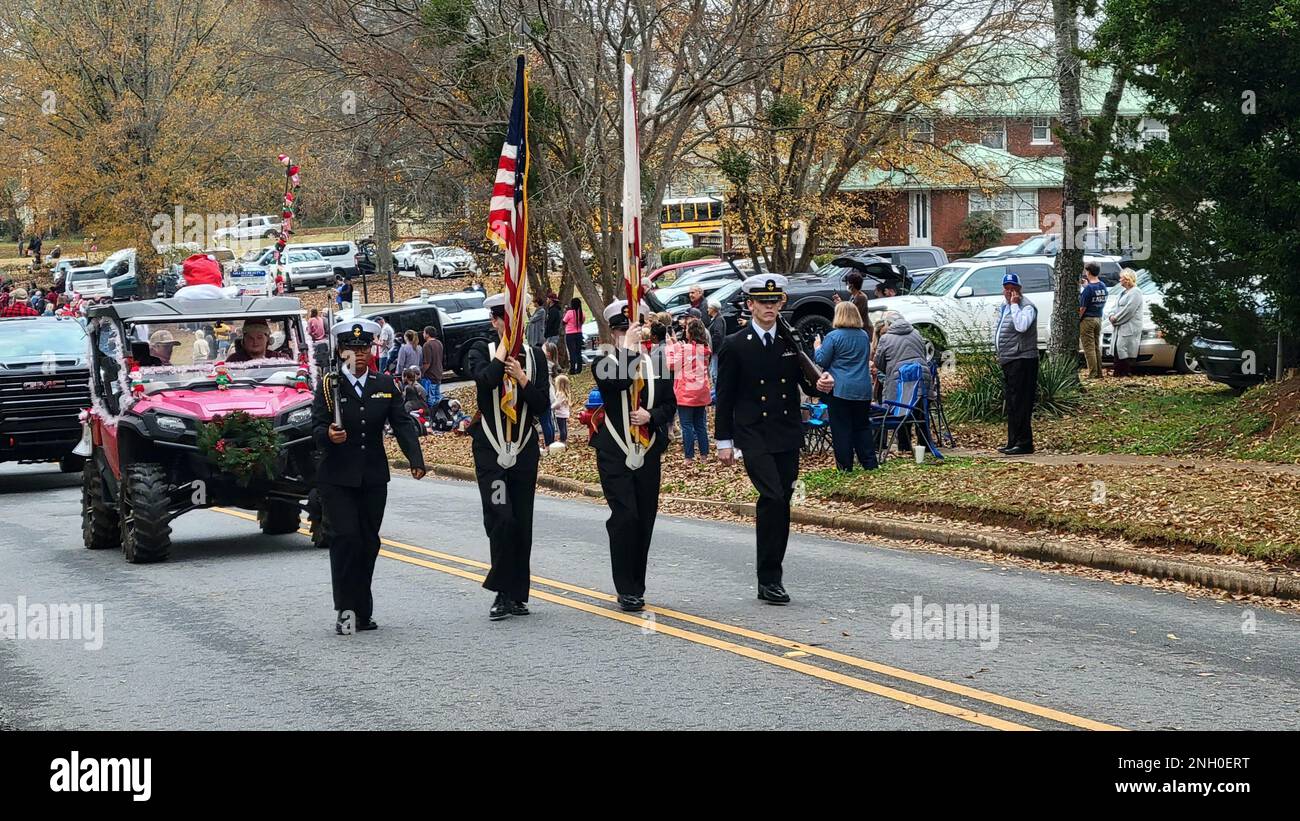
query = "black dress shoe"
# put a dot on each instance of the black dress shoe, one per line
(343, 628)
(369, 625)
(631, 604)
(1018, 450)
(773, 594)
(1004, 449)
(501, 608)
(519, 608)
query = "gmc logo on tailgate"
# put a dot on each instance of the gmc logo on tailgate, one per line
(42, 386)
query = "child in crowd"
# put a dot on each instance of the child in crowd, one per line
(560, 405)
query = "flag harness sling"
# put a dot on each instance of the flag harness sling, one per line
(632, 450)
(507, 450)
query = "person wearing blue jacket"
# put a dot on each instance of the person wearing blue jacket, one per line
(846, 353)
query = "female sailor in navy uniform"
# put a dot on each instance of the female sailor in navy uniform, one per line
(352, 405)
(505, 458)
(629, 443)
(759, 379)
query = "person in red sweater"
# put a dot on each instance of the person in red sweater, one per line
(18, 306)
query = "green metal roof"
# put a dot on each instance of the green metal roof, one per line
(965, 165)
(1023, 84)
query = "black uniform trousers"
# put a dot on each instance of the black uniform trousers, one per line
(507, 496)
(633, 497)
(773, 475)
(353, 515)
(1021, 377)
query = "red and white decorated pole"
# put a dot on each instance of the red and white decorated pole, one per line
(287, 212)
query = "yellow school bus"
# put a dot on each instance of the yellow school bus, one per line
(695, 215)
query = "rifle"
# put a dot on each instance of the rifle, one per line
(811, 373)
(332, 378)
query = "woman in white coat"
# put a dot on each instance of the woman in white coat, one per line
(1127, 322)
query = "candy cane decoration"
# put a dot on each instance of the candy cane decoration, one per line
(287, 210)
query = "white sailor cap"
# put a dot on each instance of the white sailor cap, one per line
(355, 332)
(617, 315)
(765, 287)
(495, 301)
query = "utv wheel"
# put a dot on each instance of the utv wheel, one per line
(146, 534)
(278, 517)
(100, 522)
(72, 463)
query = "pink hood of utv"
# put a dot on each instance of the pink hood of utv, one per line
(267, 401)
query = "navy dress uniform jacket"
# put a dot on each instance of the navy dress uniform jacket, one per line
(758, 394)
(362, 460)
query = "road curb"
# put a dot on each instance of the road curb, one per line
(1160, 567)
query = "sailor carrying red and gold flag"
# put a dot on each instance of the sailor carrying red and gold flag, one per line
(508, 226)
(632, 227)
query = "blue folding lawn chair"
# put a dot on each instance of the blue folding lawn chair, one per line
(910, 406)
(816, 427)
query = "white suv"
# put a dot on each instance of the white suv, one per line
(249, 228)
(402, 253)
(959, 303)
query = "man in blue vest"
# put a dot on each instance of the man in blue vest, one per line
(1016, 342)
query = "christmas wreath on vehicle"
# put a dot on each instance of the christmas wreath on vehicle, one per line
(240, 445)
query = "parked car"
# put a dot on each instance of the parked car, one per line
(303, 266)
(668, 274)
(61, 268)
(675, 300)
(711, 273)
(456, 304)
(402, 253)
(1097, 242)
(90, 282)
(810, 301)
(341, 255)
(675, 238)
(1154, 351)
(443, 261)
(458, 332)
(958, 305)
(992, 253)
(255, 227)
(44, 385)
(1238, 363)
(919, 260)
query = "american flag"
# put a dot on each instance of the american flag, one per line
(508, 222)
(632, 222)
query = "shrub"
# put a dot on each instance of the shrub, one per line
(672, 255)
(688, 254)
(980, 230)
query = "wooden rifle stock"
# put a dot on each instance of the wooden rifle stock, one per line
(811, 373)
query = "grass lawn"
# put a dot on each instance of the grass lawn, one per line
(1165, 415)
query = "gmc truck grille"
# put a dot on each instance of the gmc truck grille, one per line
(35, 404)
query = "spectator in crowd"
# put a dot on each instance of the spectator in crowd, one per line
(1092, 299)
(4, 295)
(344, 293)
(1127, 320)
(554, 319)
(846, 354)
(696, 295)
(221, 333)
(573, 320)
(413, 394)
(856, 296)
(551, 351)
(387, 343)
(1016, 343)
(886, 288)
(717, 333)
(35, 247)
(560, 407)
(315, 326)
(536, 331)
(431, 366)
(201, 351)
(18, 305)
(689, 362)
(409, 354)
(900, 344)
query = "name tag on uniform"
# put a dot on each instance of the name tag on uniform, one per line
(381, 396)
(788, 353)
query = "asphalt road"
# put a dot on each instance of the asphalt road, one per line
(236, 631)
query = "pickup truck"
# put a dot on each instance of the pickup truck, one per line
(44, 386)
(458, 323)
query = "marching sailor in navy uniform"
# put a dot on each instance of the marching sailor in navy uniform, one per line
(629, 446)
(759, 379)
(348, 417)
(505, 458)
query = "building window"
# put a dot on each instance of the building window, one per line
(920, 129)
(1042, 130)
(1150, 129)
(1014, 210)
(993, 134)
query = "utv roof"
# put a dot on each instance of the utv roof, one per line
(169, 309)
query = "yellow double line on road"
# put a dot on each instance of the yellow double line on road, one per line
(814, 671)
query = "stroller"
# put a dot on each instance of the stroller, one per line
(445, 415)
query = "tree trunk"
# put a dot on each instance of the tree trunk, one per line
(1076, 193)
